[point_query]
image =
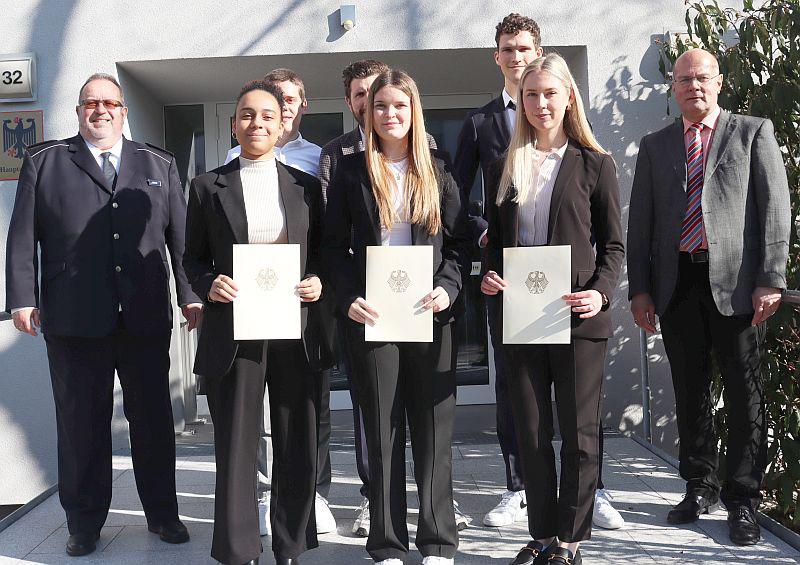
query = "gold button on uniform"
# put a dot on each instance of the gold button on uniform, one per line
(118, 269)
(116, 236)
(114, 205)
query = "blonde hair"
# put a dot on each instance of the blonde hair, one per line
(520, 163)
(422, 201)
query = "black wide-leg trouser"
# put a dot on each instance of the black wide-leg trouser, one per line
(396, 382)
(236, 407)
(575, 371)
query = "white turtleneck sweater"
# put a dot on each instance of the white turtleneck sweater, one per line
(266, 217)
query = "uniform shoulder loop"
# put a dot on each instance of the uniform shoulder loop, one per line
(36, 148)
(161, 149)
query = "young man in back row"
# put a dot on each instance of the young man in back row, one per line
(484, 138)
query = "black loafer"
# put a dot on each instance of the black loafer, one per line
(742, 525)
(82, 543)
(533, 554)
(689, 509)
(563, 556)
(171, 532)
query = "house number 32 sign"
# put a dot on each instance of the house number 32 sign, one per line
(18, 77)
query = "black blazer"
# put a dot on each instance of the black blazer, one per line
(584, 210)
(100, 248)
(216, 219)
(483, 138)
(352, 210)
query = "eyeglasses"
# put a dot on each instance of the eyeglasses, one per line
(686, 81)
(110, 104)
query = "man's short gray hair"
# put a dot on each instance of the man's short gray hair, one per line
(102, 76)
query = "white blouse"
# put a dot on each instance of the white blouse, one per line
(400, 234)
(534, 212)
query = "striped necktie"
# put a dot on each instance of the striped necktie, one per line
(692, 230)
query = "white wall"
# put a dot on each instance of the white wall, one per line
(74, 38)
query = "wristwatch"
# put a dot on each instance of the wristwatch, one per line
(605, 299)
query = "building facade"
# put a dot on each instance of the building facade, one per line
(181, 66)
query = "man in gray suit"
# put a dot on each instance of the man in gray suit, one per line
(708, 241)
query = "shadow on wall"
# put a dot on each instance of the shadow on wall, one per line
(623, 113)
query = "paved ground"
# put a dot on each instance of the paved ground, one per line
(644, 487)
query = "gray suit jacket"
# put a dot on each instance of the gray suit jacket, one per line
(745, 213)
(346, 144)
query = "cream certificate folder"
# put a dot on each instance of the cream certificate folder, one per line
(267, 305)
(533, 310)
(398, 277)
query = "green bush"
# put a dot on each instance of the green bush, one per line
(758, 49)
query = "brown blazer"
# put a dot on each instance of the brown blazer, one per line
(216, 219)
(585, 214)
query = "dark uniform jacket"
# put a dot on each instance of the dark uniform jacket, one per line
(101, 248)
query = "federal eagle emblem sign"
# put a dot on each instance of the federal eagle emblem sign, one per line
(267, 279)
(536, 282)
(20, 130)
(399, 281)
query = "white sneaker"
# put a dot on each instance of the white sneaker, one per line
(264, 527)
(605, 515)
(325, 521)
(513, 506)
(434, 560)
(391, 561)
(462, 521)
(361, 525)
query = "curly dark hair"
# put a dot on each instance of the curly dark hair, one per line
(513, 24)
(268, 87)
(361, 69)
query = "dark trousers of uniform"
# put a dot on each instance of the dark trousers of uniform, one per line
(82, 374)
(506, 434)
(235, 402)
(395, 381)
(558, 508)
(692, 327)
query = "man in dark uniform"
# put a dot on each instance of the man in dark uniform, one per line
(101, 210)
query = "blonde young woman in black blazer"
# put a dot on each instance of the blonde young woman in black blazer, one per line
(557, 186)
(257, 199)
(400, 192)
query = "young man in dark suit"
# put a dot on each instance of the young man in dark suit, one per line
(101, 210)
(483, 139)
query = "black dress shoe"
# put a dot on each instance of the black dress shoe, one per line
(689, 509)
(742, 525)
(82, 543)
(252, 562)
(171, 532)
(533, 554)
(563, 556)
(286, 561)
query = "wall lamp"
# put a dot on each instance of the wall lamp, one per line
(347, 16)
